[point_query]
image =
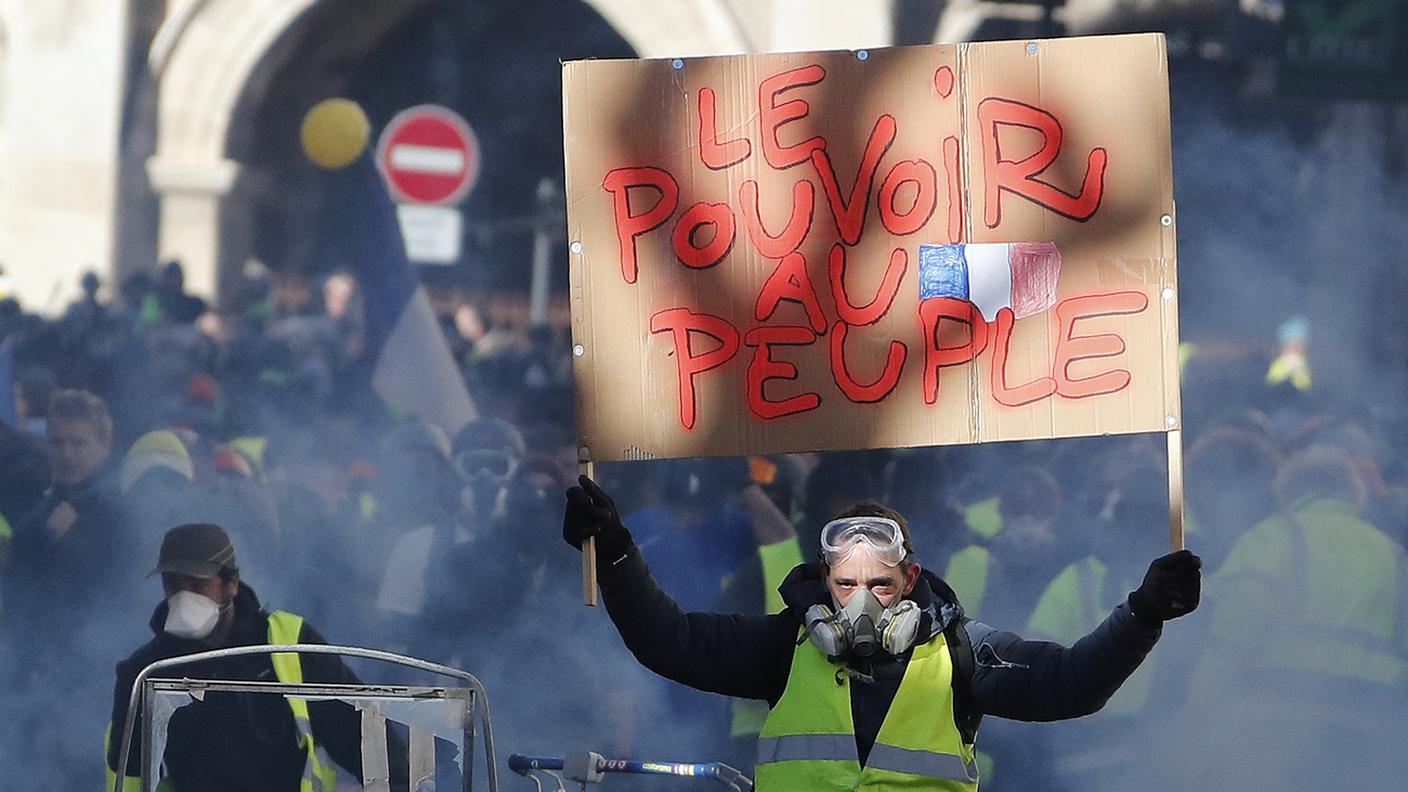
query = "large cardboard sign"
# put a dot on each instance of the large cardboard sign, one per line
(909, 246)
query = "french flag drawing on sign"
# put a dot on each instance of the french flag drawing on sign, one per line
(1017, 275)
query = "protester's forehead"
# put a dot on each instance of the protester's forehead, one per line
(69, 426)
(181, 580)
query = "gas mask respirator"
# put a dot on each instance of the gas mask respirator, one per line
(863, 627)
(191, 615)
(485, 477)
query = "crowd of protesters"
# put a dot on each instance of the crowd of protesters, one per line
(149, 410)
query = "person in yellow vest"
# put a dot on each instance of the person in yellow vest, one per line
(874, 677)
(232, 741)
(1074, 602)
(756, 584)
(1308, 631)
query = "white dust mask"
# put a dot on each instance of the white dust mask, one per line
(191, 615)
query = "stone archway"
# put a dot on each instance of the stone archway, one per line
(205, 56)
(207, 52)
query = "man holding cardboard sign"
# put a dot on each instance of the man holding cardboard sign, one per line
(790, 252)
(874, 677)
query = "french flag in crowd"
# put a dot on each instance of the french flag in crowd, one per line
(411, 364)
(1017, 275)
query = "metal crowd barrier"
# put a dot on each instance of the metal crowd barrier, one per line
(146, 689)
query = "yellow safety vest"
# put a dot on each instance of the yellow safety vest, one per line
(1342, 583)
(777, 560)
(809, 741)
(318, 775)
(1291, 366)
(967, 575)
(984, 518)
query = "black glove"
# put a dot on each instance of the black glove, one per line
(1171, 588)
(590, 512)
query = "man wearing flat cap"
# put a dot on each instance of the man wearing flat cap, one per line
(235, 741)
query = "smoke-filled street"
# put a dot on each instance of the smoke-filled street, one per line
(937, 395)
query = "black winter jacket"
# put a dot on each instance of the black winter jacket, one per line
(83, 569)
(235, 742)
(751, 656)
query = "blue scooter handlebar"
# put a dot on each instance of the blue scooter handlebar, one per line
(717, 771)
(521, 764)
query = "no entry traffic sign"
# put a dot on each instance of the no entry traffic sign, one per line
(428, 155)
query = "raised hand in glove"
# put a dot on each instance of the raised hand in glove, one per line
(590, 512)
(1171, 588)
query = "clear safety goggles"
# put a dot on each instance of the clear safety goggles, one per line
(840, 538)
(499, 464)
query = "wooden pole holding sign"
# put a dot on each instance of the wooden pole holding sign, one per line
(1175, 489)
(589, 594)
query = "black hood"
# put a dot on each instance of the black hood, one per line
(804, 587)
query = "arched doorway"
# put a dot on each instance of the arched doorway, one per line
(236, 75)
(497, 66)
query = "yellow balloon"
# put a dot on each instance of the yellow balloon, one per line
(335, 133)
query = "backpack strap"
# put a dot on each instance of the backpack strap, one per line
(954, 625)
(965, 711)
